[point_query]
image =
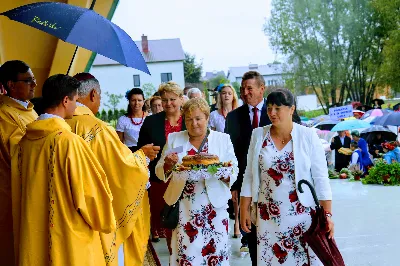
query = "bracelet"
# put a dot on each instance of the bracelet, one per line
(328, 214)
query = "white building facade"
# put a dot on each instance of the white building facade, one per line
(274, 74)
(164, 59)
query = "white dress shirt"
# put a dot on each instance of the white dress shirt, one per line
(354, 158)
(24, 104)
(259, 107)
(342, 140)
(47, 116)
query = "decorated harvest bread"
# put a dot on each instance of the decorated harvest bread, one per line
(200, 159)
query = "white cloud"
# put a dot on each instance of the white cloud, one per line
(222, 33)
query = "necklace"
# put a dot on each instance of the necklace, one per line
(139, 123)
(283, 141)
(223, 114)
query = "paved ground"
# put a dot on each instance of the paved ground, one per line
(367, 222)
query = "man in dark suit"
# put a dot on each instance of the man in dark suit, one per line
(239, 125)
(341, 160)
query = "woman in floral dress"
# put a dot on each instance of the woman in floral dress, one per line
(201, 236)
(279, 156)
(155, 130)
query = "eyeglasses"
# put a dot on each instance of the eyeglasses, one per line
(27, 81)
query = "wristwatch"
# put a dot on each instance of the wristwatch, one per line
(328, 214)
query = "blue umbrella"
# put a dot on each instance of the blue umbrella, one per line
(391, 119)
(350, 124)
(82, 27)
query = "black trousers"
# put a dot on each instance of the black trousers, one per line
(252, 242)
(250, 239)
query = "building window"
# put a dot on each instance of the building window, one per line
(136, 80)
(165, 77)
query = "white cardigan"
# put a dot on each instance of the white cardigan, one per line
(218, 144)
(310, 164)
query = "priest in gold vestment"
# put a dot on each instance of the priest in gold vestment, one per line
(15, 113)
(127, 175)
(65, 197)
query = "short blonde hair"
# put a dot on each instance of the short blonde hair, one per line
(196, 103)
(235, 101)
(170, 86)
(154, 98)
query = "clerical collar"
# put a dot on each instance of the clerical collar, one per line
(24, 104)
(80, 104)
(47, 116)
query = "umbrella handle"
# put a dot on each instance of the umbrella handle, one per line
(311, 189)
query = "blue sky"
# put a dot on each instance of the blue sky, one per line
(221, 33)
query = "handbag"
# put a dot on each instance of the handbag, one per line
(170, 214)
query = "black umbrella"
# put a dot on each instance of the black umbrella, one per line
(326, 125)
(379, 101)
(316, 237)
(364, 108)
(371, 132)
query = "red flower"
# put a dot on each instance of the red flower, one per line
(288, 243)
(293, 196)
(265, 143)
(209, 248)
(213, 260)
(207, 209)
(199, 220)
(273, 209)
(300, 208)
(274, 174)
(184, 262)
(191, 231)
(283, 167)
(225, 222)
(189, 188)
(291, 156)
(263, 211)
(280, 253)
(297, 230)
(211, 216)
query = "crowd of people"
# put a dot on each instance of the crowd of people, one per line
(363, 152)
(74, 190)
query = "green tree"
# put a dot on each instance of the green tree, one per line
(236, 86)
(220, 79)
(103, 115)
(333, 45)
(98, 115)
(116, 114)
(148, 90)
(388, 13)
(113, 100)
(110, 115)
(122, 112)
(191, 69)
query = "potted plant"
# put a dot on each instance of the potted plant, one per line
(356, 171)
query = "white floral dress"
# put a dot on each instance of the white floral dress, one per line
(201, 237)
(281, 218)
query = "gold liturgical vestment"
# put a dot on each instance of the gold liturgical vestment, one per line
(13, 120)
(127, 175)
(65, 198)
